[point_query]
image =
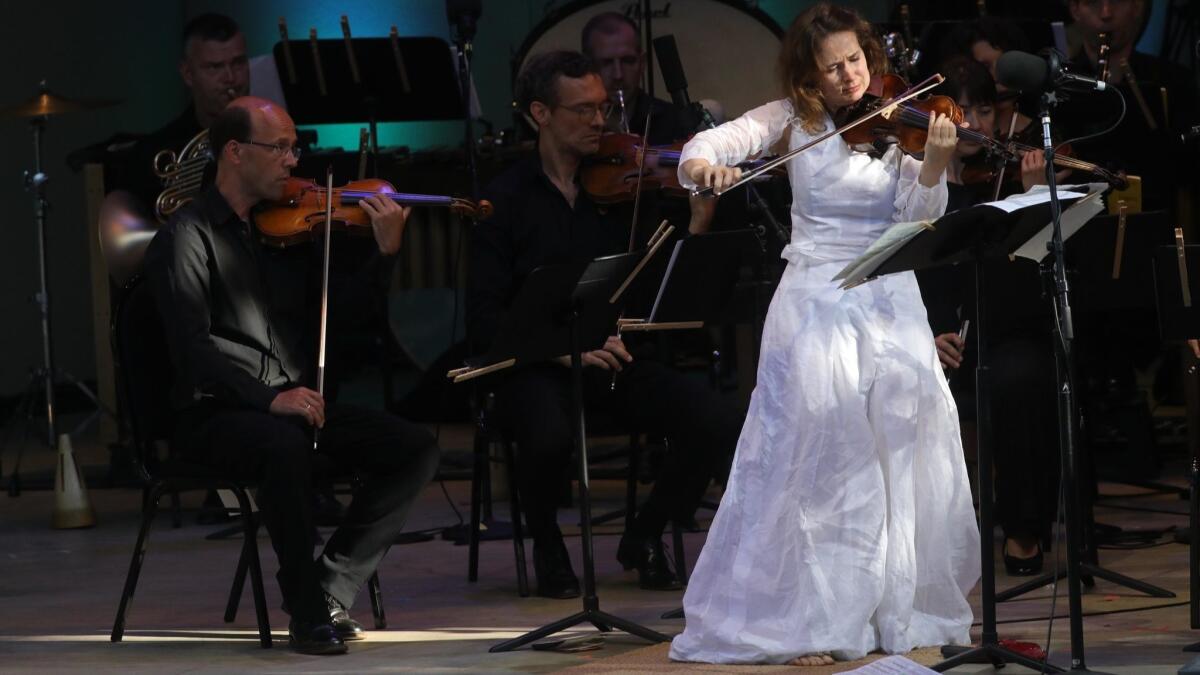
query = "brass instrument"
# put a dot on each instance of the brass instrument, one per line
(181, 174)
(1102, 57)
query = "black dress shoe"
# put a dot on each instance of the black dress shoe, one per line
(346, 628)
(647, 555)
(314, 638)
(552, 566)
(1022, 567)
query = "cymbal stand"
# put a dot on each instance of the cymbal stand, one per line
(45, 376)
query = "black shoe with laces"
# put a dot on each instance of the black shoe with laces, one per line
(647, 555)
(552, 566)
(314, 638)
(346, 628)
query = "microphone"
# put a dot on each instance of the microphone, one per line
(464, 14)
(672, 69)
(693, 114)
(1028, 72)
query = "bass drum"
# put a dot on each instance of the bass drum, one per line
(728, 49)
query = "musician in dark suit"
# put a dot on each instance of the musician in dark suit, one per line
(242, 361)
(543, 216)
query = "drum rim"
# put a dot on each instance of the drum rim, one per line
(554, 17)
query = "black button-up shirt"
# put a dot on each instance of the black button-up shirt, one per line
(240, 316)
(532, 225)
(207, 275)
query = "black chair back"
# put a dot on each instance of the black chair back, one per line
(140, 347)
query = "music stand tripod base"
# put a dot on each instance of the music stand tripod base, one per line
(562, 309)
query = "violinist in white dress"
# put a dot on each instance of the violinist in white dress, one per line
(847, 525)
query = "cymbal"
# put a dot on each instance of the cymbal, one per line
(48, 103)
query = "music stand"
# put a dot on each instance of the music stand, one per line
(1176, 295)
(697, 286)
(565, 309)
(974, 235)
(1112, 260)
(694, 284)
(368, 79)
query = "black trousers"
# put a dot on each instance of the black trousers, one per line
(534, 405)
(1025, 448)
(393, 458)
(1025, 424)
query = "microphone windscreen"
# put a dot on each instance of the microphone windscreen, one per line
(1020, 70)
(669, 64)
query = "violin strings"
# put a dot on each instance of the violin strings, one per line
(920, 118)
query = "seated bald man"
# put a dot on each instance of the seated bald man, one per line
(239, 327)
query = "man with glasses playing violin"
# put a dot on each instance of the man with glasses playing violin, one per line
(236, 321)
(542, 217)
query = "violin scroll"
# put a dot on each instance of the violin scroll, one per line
(465, 207)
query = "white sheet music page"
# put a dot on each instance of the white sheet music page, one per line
(891, 665)
(1073, 217)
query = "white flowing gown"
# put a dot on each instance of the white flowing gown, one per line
(847, 525)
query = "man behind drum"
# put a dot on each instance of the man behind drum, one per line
(610, 40)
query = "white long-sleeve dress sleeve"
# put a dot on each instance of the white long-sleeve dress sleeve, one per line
(847, 524)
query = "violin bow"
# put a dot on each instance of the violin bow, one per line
(1003, 161)
(886, 106)
(321, 335)
(637, 195)
(637, 201)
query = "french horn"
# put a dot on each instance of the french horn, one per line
(182, 174)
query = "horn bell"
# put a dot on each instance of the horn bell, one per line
(126, 229)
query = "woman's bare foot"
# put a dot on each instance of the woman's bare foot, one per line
(812, 660)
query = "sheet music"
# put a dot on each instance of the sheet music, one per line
(264, 79)
(880, 250)
(891, 665)
(1040, 194)
(898, 235)
(1073, 218)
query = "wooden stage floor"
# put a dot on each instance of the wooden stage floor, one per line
(59, 591)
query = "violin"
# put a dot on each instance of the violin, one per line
(611, 175)
(908, 127)
(988, 169)
(870, 110)
(293, 218)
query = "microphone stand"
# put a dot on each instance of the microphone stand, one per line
(1067, 430)
(463, 16)
(1067, 438)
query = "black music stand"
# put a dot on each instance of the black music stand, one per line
(694, 284)
(369, 80)
(1112, 262)
(697, 285)
(565, 309)
(975, 235)
(1175, 268)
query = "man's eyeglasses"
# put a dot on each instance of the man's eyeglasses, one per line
(587, 111)
(277, 149)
